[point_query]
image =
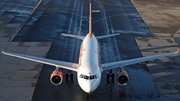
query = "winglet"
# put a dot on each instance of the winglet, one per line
(178, 50)
(2, 51)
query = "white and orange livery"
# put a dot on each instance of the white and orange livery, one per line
(89, 68)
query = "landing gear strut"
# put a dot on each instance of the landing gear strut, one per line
(110, 75)
(69, 75)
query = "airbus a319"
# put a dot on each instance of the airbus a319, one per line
(89, 68)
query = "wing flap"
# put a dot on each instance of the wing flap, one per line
(61, 64)
(117, 64)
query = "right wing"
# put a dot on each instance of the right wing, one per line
(61, 64)
(117, 64)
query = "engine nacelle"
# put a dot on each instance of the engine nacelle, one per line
(122, 78)
(56, 77)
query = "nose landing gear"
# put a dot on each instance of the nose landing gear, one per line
(89, 96)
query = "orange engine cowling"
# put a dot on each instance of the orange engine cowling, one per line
(56, 77)
(122, 78)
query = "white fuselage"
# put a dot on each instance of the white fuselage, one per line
(89, 69)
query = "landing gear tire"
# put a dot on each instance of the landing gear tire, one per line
(112, 76)
(67, 76)
(71, 77)
(107, 77)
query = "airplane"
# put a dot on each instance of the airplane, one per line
(89, 68)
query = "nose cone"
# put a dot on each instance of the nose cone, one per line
(89, 87)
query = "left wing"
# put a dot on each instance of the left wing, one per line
(117, 64)
(61, 64)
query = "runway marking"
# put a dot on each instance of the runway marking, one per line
(125, 14)
(95, 10)
(110, 3)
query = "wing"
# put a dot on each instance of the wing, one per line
(117, 64)
(61, 64)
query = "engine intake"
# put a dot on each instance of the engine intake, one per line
(122, 78)
(56, 77)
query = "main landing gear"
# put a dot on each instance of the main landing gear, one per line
(69, 75)
(110, 75)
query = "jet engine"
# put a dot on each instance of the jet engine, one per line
(56, 77)
(122, 78)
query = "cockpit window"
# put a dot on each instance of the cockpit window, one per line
(91, 77)
(81, 76)
(88, 77)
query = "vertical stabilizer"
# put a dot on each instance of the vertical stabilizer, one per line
(90, 21)
(90, 18)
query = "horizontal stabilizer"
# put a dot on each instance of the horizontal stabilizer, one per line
(106, 36)
(74, 36)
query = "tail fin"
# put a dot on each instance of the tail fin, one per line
(90, 18)
(90, 22)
